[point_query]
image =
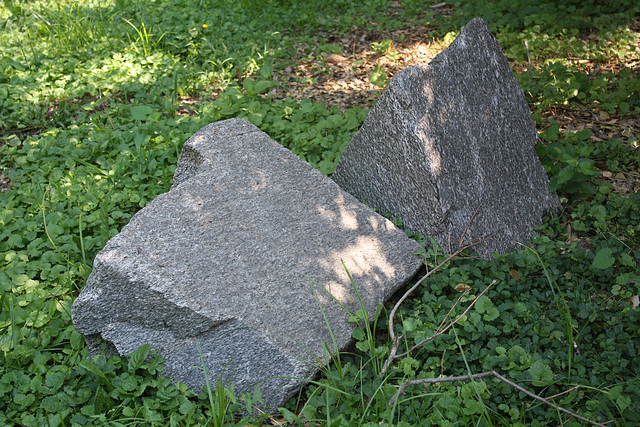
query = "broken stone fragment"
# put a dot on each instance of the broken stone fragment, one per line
(241, 263)
(451, 138)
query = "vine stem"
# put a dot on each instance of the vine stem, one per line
(482, 375)
(396, 339)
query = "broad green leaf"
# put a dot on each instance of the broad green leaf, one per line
(358, 334)
(137, 358)
(378, 77)
(24, 400)
(76, 340)
(603, 259)
(485, 307)
(622, 400)
(263, 86)
(128, 412)
(89, 366)
(584, 134)
(186, 406)
(551, 133)
(55, 380)
(50, 404)
(15, 241)
(565, 175)
(586, 167)
(599, 212)
(130, 383)
(408, 365)
(249, 86)
(362, 346)
(141, 112)
(540, 373)
(410, 324)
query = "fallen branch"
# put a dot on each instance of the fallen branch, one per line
(396, 339)
(493, 374)
(441, 330)
(446, 328)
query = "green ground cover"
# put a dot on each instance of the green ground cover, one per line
(97, 98)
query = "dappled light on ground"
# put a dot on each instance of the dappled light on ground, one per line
(340, 72)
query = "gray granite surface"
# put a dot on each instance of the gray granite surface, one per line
(238, 258)
(451, 138)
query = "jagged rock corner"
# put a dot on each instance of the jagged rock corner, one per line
(451, 138)
(237, 260)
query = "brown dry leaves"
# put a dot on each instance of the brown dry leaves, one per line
(5, 183)
(343, 79)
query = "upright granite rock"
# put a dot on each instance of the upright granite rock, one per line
(450, 138)
(237, 261)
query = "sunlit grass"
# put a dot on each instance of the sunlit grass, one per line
(96, 100)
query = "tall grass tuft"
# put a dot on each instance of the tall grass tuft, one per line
(72, 26)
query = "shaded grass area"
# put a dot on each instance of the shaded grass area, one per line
(98, 98)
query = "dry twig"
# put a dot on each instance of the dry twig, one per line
(446, 328)
(493, 374)
(441, 330)
(396, 339)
